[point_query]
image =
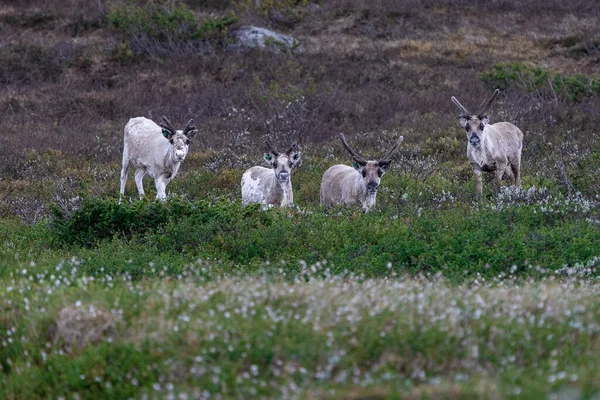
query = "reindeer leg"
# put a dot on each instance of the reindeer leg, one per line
(123, 180)
(516, 170)
(508, 174)
(161, 187)
(478, 181)
(500, 170)
(139, 177)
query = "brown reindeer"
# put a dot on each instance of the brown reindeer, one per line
(358, 184)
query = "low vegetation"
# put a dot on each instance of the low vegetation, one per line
(164, 27)
(518, 232)
(294, 335)
(433, 294)
(542, 82)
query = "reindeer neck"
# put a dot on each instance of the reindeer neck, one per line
(285, 191)
(169, 161)
(369, 201)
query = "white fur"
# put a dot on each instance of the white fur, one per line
(260, 185)
(500, 148)
(151, 154)
(251, 188)
(491, 148)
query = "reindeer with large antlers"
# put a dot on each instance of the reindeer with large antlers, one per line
(491, 147)
(271, 186)
(358, 184)
(156, 150)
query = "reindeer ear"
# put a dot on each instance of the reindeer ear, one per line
(191, 133)
(385, 165)
(165, 133)
(269, 158)
(484, 120)
(463, 121)
(356, 166)
(295, 157)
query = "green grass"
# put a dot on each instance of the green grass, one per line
(454, 299)
(269, 336)
(431, 295)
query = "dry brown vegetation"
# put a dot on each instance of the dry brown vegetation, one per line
(70, 82)
(433, 295)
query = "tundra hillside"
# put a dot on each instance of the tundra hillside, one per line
(431, 294)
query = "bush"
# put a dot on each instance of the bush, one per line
(165, 25)
(544, 83)
(521, 227)
(97, 220)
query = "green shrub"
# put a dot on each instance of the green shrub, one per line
(460, 240)
(98, 220)
(537, 80)
(165, 21)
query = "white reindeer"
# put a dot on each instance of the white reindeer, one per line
(358, 184)
(271, 186)
(156, 150)
(491, 147)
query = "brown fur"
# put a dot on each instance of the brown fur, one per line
(358, 184)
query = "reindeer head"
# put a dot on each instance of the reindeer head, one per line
(282, 163)
(474, 123)
(371, 171)
(179, 140)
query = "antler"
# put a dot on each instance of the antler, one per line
(271, 148)
(166, 124)
(189, 127)
(357, 157)
(293, 147)
(387, 157)
(466, 112)
(489, 103)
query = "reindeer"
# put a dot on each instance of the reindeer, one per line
(491, 148)
(358, 184)
(271, 186)
(156, 150)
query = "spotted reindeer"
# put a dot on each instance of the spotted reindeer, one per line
(273, 185)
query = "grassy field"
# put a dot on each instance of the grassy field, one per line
(432, 295)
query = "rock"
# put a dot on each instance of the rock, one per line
(313, 8)
(249, 37)
(79, 325)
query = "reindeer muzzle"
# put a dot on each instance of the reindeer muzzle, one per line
(474, 140)
(372, 187)
(283, 177)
